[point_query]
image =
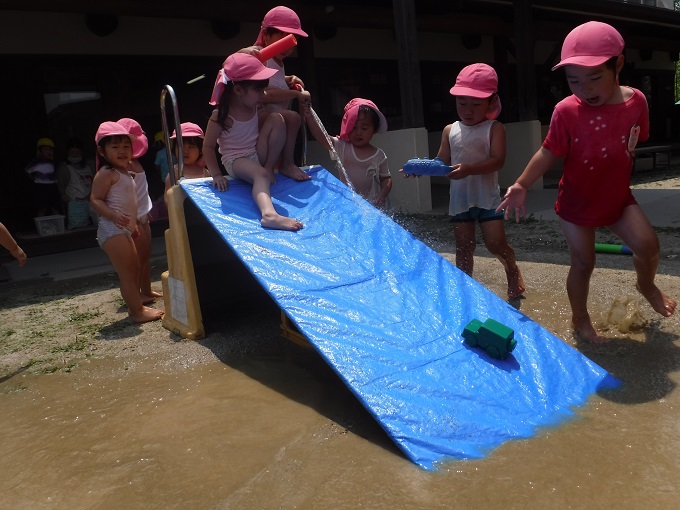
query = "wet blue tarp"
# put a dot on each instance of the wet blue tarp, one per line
(387, 312)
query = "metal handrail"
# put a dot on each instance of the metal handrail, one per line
(168, 90)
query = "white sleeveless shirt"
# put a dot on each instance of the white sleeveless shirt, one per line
(470, 145)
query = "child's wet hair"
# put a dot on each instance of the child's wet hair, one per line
(193, 140)
(223, 106)
(371, 114)
(611, 63)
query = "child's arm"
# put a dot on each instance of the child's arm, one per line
(444, 152)
(102, 182)
(212, 132)
(314, 127)
(10, 243)
(385, 188)
(277, 95)
(516, 195)
(495, 161)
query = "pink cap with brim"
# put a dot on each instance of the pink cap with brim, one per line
(189, 130)
(351, 114)
(283, 19)
(590, 45)
(140, 144)
(110, 128)
(476, 80)
(239, 67)
(481, 81)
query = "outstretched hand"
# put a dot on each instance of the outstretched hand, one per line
(514, 200)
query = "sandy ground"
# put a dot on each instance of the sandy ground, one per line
(55, 326)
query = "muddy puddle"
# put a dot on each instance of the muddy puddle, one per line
(276, 429)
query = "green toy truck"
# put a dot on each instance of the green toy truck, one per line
(495, 338)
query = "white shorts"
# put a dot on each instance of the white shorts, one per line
(228, 165)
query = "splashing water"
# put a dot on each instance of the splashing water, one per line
(334, 153)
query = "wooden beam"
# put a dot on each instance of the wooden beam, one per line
(409, 64)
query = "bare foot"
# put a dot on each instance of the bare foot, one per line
(150, 297)
(588, 333)
(146, 300)
(516, 286)
(659, 300)
(146, 314)
(279, 222)
(294, 172)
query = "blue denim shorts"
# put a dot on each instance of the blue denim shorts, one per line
(477, 214)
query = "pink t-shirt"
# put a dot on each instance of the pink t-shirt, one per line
(593, 140)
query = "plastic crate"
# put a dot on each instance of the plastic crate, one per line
(49, 225)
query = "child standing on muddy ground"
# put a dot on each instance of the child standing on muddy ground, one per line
(473, 149)
(114, 198)
(595, 130)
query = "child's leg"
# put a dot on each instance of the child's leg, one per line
(493, 232)
(143, 246)
(121, 250)
(269, 144)
(638, 234)
(288, 166)
(466, 242)
(581, 242)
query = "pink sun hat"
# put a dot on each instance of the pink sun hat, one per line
(110, 128)
(351, 114)
(590, 45)
(239, 67)
(283, 19)
(140, 144)
(189, 130)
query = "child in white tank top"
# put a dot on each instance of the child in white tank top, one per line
(474, 146)
(114, 198)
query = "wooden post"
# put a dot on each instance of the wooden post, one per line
(526, 65)
(406, 33)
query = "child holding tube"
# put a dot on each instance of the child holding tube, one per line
(114, 198)
(595, 131)
(279, 28)
(249, 141)
(366, 165)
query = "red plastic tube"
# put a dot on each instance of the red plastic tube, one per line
(277, 47)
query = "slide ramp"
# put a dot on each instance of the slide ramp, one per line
(386, 312)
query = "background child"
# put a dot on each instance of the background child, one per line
(277, 24)
(366, 165)
(595, 130)
(42, 172)
(114, 198)
(475, 148)
(192, 147)
(140, 145)
(74, 179)
(7, 241)
(249, 143)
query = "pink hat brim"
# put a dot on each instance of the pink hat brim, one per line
(458, 90)
(583, 61)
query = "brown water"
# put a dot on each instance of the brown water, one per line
(275, 429)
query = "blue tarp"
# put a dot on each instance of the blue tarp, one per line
(387, 312)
